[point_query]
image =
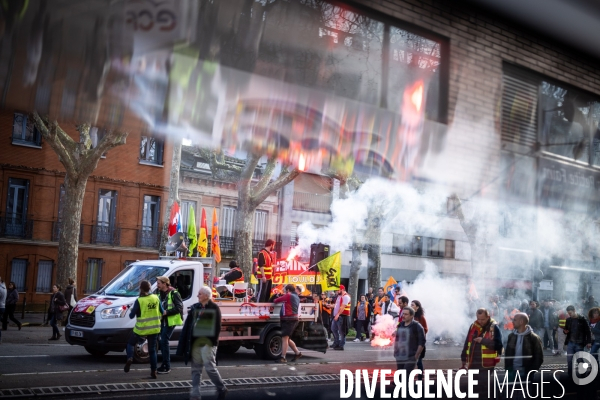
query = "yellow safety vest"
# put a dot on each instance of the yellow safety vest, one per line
(149, 321)
(173, 320)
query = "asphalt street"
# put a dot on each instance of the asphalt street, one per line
(29, 360)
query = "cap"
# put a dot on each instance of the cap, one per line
(164, 279)
(342, 287)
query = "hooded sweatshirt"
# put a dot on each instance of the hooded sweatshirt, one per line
(518, 361)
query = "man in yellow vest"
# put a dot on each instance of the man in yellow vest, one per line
(148, 311)
(482, 348)
(172, 316)
(265, 271)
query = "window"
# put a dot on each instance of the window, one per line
(15, 222)
(260, 226)
(227, 223)
(151, 150)
(96, 136)
(24, 131)
(183, 281)
(449, 253)
(149, 234)
(44, 277)
(440, 248)
(105, 224)
(185, 213)
(93, 277)
(18, 273)
(411, 245)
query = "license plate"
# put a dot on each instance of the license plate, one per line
(77, 333)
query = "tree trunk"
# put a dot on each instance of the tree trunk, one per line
(354, 270)
(243, 237)
(70, 225)
(373, 238)
(173, 195)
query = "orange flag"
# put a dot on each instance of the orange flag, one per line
(203, 242)
(215, 241)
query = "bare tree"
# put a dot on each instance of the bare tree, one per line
(253, 189)
(79, 159)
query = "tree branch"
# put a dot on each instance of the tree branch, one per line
(51, 132)
(283, 179)
(266, 178)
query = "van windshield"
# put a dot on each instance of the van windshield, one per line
(127, 283)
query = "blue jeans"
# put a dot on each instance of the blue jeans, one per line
(135, 339)
(165, 335)
(54, 325)
(338, 329)
(572, 348)
(594, 351)
(1, 316)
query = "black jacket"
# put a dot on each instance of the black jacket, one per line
(177, 303)
(12, 296)
(552, 317)
(184, 347)
(584, 334)
(533, 354)
(536, 318)
(57, 300)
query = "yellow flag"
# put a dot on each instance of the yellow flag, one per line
(331, 272)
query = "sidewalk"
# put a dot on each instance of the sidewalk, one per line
(31, 319)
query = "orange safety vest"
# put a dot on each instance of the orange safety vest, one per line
(509, 318)
(346, 310)
(323, 308)
(489, 357)
(376, 306)
(268, 267)
(240, 279)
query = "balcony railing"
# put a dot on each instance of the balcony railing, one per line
(148, 236)
(320, 203)
(106, 234)
(16, 225)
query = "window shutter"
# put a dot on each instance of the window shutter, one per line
(160, 144)
(26, 200)
(44, 277)
(519, 107)
(157, 216)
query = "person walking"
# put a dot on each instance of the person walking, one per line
(550, 322)
(536, 318)
(265, 271)
(523, 352)
(289, 321)
(578, 334)
(2, 303)
(148, 311)
(58, 304)
(409, 343)
(12, 298)
(199, 340)
(594, 318)
(172, 316)
(361, 318)
(341, 315)
(482, 348)
(420, 318)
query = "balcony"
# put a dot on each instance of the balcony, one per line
(105, 234)
(148, 236)
(16, 225)
(320, 203)
(228, 246)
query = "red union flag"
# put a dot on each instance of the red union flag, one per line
(215, 244)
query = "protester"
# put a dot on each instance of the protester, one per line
(12, 298)
(509, 323)
(2, 303)
(594, 318)
(265, 271)
(561, 335)
(340, 323)
(578, 334)
(482, 348)
(523, 352)
(377, 303)
(550, 323)
(536, 318)
(420, 318)
(235, 275)
(172, 316)
(589, 304)
(201, 345)
(409, 343)
(326, 309)
(361, 318)
(56, 302)
(148, 310)
(289, 321)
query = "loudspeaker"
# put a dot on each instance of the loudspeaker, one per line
(318, 252)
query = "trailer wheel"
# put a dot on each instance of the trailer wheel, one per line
(271, 349)
(96, 352)
(140, 352)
